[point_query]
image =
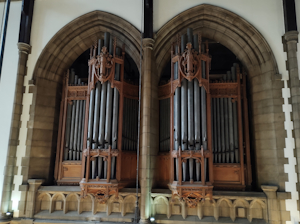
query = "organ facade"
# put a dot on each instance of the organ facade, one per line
(181, 121)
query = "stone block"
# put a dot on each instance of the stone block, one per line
(176, 209)
(116, 207)
(241, 212)
(58, 205)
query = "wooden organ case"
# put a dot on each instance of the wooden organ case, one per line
(207, 144)
(98, 125)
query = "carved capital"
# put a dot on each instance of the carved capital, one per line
(148, 43)
(291, 36)
(24, 48)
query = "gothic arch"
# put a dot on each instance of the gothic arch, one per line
(77, 36)
(57, 56)
(250, 47)
(223, 26)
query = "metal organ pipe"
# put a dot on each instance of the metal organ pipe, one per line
(177, 114)
(91, 118)
(82, 129)
(115, 115)
(102, 115)
(96, 114)
(67, 135)
(191, 125)
(109, 103)
(203, 117)
(184, 120)
(79, 130)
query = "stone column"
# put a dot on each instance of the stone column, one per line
(34, 185)
(10, 171)
(290, 46)
(291, 40)
(145, 131)
(272, 204)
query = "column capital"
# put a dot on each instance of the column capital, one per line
(25, 48)
(267, 188)
(34, 184)
(270, 191)
(148, 43)
(291, 36)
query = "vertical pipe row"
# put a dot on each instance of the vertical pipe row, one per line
(225, 125)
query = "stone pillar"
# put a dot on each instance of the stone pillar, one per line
(290, 46)
(10, 171)
(291, 40)
(34, 185)
(146, 137)
(272, 204)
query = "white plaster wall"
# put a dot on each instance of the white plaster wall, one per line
(54, 14)
(8, 82)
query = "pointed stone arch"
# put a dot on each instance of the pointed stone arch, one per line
(264, 81)
(77, 36)
(57, 56)
(221, 25)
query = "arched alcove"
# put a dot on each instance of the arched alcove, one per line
(265, 97)
(56, 58)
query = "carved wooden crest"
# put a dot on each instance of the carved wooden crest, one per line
(105, 63)
(189, 63)
(191, 195)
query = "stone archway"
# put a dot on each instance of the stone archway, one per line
(253, 51)
(58, 55)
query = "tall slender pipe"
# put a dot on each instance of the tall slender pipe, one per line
(91, 119)
(190, 35)
(235, 119)
(76, 129)
(196, 43)
(82, 130)
(215, 130)
(68, 127)
(183, 43)
(222, 130)
(115, 118)
(111, 49)
(177, 114)
(100, 45)
(184, 122)
(191, 115)
(203, 117)
(231, 132)
(96, 114)
(102, 115)
(106, 40)
(72, 130)
(191, 124)
(219, 159)
(79, 133)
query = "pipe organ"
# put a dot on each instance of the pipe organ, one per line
(98, 120)
(207, 138)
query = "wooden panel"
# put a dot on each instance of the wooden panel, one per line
(162, 170)
(227, 173)
(128, 166)
(71, 170)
